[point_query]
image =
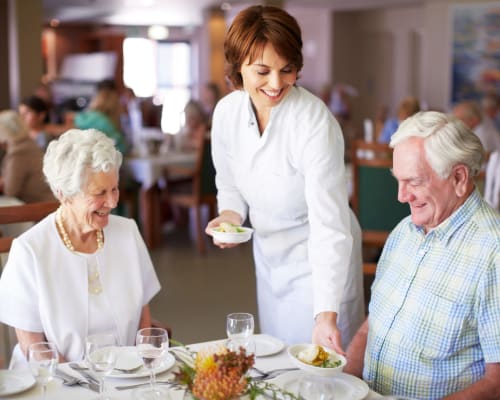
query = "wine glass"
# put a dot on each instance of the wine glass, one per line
(42, 358)
(152, 345)
(101, 356)
(239, 329)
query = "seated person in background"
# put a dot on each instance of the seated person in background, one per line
(209, 96)
(34, 112)
(79, 271)
(408, 106)
(104, 115)
(470, 114)
(21, 175)
(433, 324)
(195, 126)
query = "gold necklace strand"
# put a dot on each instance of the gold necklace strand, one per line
(94, 281)
(65, 236)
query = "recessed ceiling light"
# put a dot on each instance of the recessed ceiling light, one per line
(158, 32)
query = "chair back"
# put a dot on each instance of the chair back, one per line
(17, 214)
(492, 180)
(207, 170)
(31, 212)
(375, 191)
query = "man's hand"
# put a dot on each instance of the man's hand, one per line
(326, 333)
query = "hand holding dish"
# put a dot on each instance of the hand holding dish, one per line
(316, 359)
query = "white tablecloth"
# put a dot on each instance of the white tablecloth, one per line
(149, 169)
(56, 391)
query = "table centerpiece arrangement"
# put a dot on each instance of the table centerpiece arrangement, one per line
(217, 373)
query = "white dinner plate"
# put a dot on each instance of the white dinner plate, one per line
(346, 387)
(266, 345)
(128, 358)
(12, 382)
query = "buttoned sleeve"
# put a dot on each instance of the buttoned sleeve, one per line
(330, 240)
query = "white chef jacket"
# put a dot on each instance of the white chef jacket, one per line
(44, 286)
(291, 181)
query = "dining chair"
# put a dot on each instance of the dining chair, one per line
(193, 188)
(492, 180)
(15, 214)
(30, 212)
(375, 195)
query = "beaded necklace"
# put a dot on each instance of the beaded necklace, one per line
(94, 280)
(64, 234)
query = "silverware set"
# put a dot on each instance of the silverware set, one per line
(91, 383)
(69, 380)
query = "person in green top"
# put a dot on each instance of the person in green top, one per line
(104, 115)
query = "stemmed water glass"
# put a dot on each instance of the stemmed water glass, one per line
(101, 357)
(42, 358)
(152, 345)
(239, 329)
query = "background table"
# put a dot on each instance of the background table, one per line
(149, 170)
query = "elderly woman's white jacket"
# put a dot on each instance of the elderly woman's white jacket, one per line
(44, 287)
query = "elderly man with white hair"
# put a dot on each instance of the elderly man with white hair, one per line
(433, 329)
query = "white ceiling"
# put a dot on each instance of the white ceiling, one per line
(173, 12)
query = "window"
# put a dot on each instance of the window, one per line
(161, 70)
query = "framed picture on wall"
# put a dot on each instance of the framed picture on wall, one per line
(476, 50)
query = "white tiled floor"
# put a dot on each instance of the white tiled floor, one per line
(199, 291)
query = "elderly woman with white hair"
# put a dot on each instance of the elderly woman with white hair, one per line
(81, 270)
(21, 175)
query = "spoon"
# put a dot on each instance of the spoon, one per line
(78, 367)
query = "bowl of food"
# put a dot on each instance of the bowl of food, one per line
(316, 359)
(229, 233)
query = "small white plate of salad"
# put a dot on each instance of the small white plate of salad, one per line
(229, 233)
(316, 359)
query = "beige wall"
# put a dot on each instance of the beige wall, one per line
(26, 27)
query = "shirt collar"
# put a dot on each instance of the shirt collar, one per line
(450, 225)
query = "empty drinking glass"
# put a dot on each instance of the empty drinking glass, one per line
(101, 357)
(42, 358)
(239, 329)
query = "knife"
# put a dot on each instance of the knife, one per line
(137, 385)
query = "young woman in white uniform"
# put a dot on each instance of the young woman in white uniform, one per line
(279, 153)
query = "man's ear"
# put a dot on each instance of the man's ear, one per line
(460, 174)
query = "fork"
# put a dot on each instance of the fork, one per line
(270, 374)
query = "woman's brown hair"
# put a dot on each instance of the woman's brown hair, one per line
(252, 29)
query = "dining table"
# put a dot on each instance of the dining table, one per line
(148, 170)
(271, 360)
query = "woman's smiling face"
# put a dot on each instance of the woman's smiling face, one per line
(268, 79)
(92, 207)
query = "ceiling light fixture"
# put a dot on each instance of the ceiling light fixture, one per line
(158, 32)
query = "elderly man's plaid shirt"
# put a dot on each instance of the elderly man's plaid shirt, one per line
(435, 311)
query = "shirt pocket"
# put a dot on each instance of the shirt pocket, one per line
(437, 330)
